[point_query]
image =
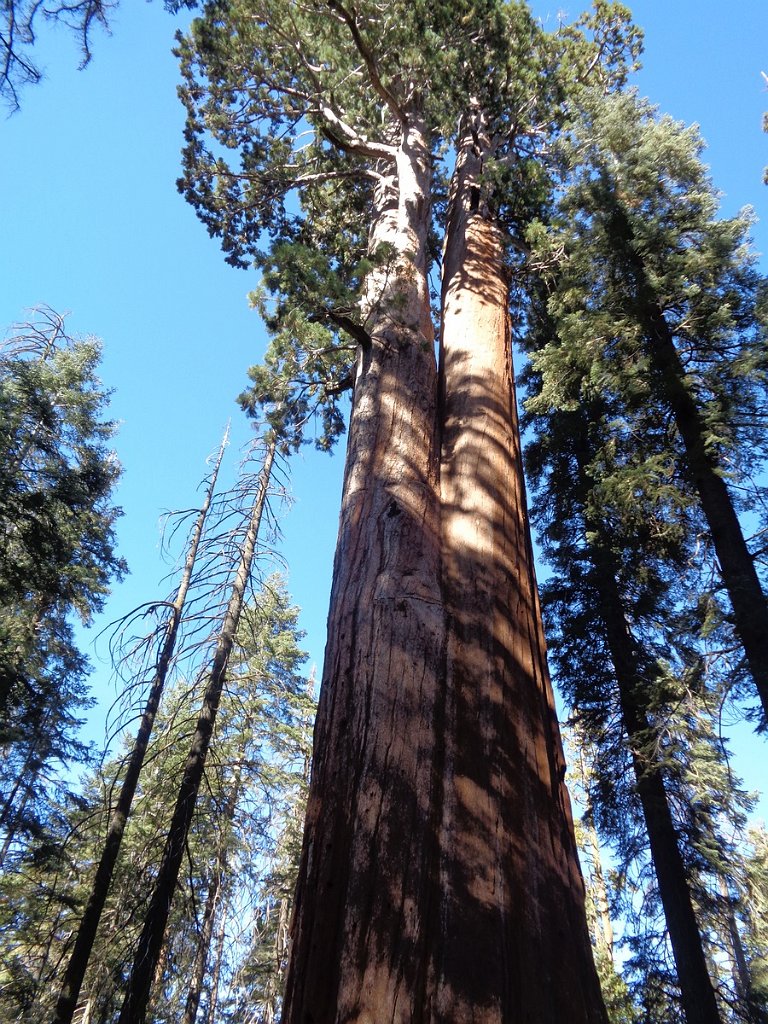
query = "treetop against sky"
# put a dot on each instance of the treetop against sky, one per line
(93, 224)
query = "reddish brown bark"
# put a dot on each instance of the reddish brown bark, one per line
(513, 942)
(439, 879)
(368, 872)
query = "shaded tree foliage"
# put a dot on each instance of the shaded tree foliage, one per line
(57, 554)
(636, 627)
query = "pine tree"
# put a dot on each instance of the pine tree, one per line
(57, 555)
(618, 504)
(600, 582)
(675, 314)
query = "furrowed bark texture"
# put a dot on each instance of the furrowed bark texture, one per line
(360, 940)
(439, 879)
(513, 943)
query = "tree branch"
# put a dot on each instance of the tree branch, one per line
(338, 132)
(349, 19)
(347, 324)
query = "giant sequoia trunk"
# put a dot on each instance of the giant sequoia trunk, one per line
(750, 607)
(439, 880)
(513, 943)
(368, 876)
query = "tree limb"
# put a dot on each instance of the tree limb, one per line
(349, 19)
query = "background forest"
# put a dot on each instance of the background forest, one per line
(94, 225)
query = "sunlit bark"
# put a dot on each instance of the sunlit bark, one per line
(513, 936)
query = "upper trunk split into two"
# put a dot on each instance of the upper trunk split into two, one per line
(439, 880)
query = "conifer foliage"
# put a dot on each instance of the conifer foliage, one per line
(57, 555)
(426, 868)
(647, 381)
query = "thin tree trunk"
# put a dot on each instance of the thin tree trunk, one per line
(603, 923)
(203, 945)
(11, 817)
(15, 821)
(513, 942)
(361, 937)
(22, 779)
(741, 973)
(86, 934)
(212, 900)
(697, 994)
(151, 939)
(750, 608)
(269, 1005)
(213, 1000)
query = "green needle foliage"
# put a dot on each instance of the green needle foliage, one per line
(661, 307)
(57, 556)
(294, 115)
(239, 845)
(639, 633)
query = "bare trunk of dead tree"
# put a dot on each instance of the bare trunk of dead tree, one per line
(150, 942)
(513, 942)
(203, 945)
(213, 1000)
(86, 933)
(603, 924)
(635, 702)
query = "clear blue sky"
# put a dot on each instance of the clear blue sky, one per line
(91, 222)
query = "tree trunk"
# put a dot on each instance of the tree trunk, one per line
(86, 933)
(750, 608)
(12, 817)
(203, 944)
(17, 815)
(603, 938)
(513, 943)
(697, 994)
(213, 1001)
(741, 973)
(361, 936)
(151, 940)
(212, 899)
